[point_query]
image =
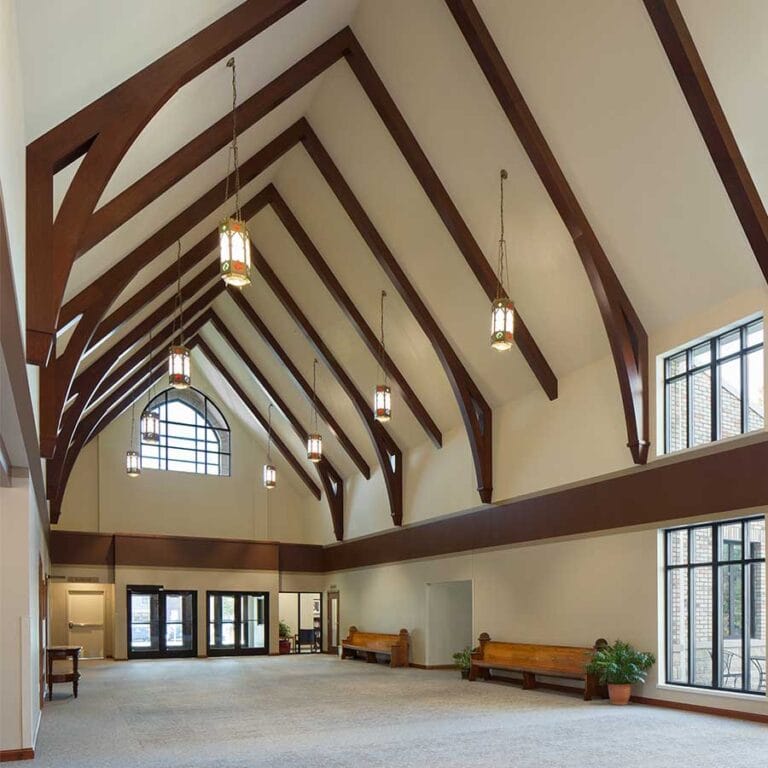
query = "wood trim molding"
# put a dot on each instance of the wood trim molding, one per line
(11, 755)
(691, 74)
(626, 334)
(735, 714)
(333, 482)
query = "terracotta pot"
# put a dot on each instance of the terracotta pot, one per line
(285, 646)
(619, 693)
(465, 674)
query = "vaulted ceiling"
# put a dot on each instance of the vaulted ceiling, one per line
(373, 164)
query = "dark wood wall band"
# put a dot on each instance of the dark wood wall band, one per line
(626, 334)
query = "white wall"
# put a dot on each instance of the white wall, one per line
(449, 620)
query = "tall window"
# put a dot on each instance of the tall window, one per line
(715, 605)
(714, 389)
(194, 435)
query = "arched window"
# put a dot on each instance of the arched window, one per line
(194, 435)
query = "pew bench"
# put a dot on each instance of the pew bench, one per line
(564, 661)
(373, 643)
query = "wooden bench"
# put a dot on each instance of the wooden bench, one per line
(548, 660)
(371, 643)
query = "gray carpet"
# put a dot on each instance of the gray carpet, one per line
(317, 711)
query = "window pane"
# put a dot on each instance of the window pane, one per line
(729, 398)
(701, 407)
(730, 541)
(756, 623)
(756, 538)
(678, 625)
(228, 608)
(677, 415)
(731, 596)
(755, 391)
(676, 364)
(702, 544)
(701, 618)
(701, 355)
(677, 546)
(755, 333)
(729, 343)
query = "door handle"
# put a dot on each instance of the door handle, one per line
(73, 624)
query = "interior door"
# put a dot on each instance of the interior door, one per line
(161, 623)
(85, 616)
(333, 622)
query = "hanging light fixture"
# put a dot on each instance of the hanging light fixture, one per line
(502, 309)
(382, 397)
(234, 240)
(314, 439)
(132, 464)
(270, 473)
(150, 420)
(179, 372)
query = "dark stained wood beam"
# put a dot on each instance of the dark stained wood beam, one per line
(352, 313)
(260, 327)
(626, 334)
(705, 107)
(281, 446)
(387, 451)
(443, 204)
(103, 131)
(475, 411)
(333, 482)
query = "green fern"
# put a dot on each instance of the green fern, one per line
(620, 664)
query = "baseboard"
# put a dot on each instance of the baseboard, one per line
(701, 709)
(10, 755)
(433, 666)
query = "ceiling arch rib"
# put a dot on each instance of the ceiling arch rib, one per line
(713, 125)
(332, 481)
(626, 333)
(260, 327)
(103, 131)
(387, 451)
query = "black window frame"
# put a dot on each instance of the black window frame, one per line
(715, 361)
(716, 563)
(237, 649)
(199, 448)
(162, 652)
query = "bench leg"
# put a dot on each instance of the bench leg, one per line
(590, 687)
(472, 672)
(370, 657)
(529, 681)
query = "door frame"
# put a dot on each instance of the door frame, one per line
(236, 650)
(162, 652)
(90, 589)
(329, 614)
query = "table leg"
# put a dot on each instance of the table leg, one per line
(76, 674)
(49, 673)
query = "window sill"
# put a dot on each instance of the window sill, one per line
(714, 446)
(737, 695)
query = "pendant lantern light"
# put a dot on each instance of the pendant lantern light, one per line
(179, 371)
(502, 309)
(314, 439)
(234, 240)
(382, 397)
(132, 463)
(150, 420)
(270, 473)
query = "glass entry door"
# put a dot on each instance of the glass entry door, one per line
(238, 623)
(161, 623)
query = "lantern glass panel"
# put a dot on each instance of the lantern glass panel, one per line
(270, 476)
(150, 427)
(315, 447)
(234, 252)
(502, 324)
(382, 403)
(132, 464)
(179, 371)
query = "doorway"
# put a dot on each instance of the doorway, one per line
(161, 624)
(301, 616)
(334, 640)
(238, 623)
(449, 621)
(85, 621)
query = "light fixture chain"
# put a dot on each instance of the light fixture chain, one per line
(179, 296)
(314, 392)
(231, 63)
(269, 434)
(149, 371)
(382, 348)
(502, 271)
(133, 422)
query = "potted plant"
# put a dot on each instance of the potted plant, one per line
(285, 633)
(620, 665)
(462, 660)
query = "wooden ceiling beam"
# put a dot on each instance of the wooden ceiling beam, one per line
(352, 313)
(473, 407)
(626, 334)
(260, 327)
(387, 451)
(251, 406)
(103, 131)
(713, 125)
(333, 482)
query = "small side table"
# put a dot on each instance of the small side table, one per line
(57, 652)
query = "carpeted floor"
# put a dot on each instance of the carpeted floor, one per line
(318, 712)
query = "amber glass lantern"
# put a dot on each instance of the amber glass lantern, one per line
(132, 466)
(502, 324)
(179, 374)
(270, 476)
(234, 252)
(382, 403)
